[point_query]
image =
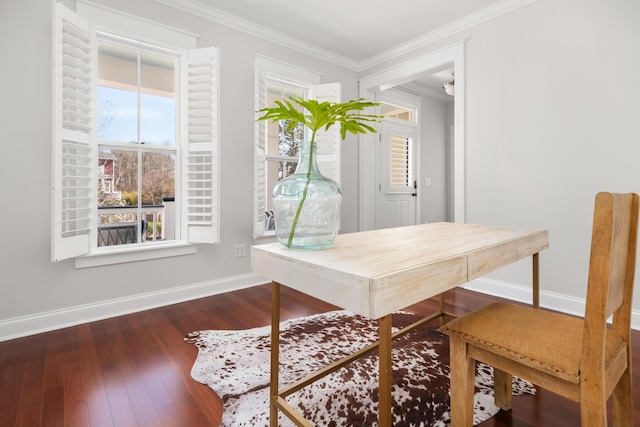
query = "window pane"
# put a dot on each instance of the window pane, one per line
(281, 142)
(289, 139)
(401, 173)
(117, 93)
(119, 204)
(158, 191)
(277, 170)
(158, 120)
(117, 115)
(157, 99)
(118, 198)
(396, 112)
(125, 73)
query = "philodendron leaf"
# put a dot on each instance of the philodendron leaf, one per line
(321, 115)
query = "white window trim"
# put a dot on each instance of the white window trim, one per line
(118, 256)
(404, 100)
(118, 22)
(200, 150)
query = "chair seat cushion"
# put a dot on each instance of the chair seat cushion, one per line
(546, 341)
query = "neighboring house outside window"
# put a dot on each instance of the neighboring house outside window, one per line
(276, 150)
(115, 170)
(106, 167)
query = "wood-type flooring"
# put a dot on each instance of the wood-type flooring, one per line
(134, 370)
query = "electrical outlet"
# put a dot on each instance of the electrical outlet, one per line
(240, 250)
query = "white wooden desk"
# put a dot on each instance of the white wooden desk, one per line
(375, 273)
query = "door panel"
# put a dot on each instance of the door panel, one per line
(397, 194)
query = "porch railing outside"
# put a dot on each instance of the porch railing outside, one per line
(119, 224)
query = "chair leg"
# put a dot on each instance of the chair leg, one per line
(593, 403)
(502, 389)
(442, 305)
(622, 398)
(462, 384)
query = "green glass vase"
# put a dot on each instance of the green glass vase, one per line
(306, 205)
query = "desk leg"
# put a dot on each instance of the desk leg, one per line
(536, 280)
(384, 399)
(275, 352)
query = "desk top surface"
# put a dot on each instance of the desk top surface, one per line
(376, 272)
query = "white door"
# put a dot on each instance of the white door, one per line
(396, 198)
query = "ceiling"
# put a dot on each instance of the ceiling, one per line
(354, 29)
(357, 34)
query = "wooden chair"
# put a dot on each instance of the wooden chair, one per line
(584, 360)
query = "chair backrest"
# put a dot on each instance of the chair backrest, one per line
(611, 270)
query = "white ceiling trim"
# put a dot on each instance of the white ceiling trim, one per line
(421, 89)
(196, 8)
(232, 21)
(455, 27)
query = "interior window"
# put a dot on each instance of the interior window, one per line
(397, 112)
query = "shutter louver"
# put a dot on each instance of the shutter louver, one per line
(400, 162)
(74, 160)
(328, 142)
(201, 165)
(261, 127)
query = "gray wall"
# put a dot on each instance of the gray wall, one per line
(31, 284)
(552, 118)
(433, 159)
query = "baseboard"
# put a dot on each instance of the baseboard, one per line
(550, 300)
(43, 322)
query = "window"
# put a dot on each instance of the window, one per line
(392, 111)
(399, 142)
(140, 172)
(276, 151)
(281, 151)
(136, 142)
(401, 161)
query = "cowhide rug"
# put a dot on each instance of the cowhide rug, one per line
(235, 364)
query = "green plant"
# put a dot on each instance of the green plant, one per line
(129, 198)
(317, 116)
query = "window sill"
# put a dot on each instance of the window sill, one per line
(267, 237)
(139, 253)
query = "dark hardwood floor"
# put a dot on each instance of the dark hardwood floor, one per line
(134, 370)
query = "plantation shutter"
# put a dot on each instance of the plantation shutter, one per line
(260, 155)
(328, 142)
(74, 180)
(201, 172)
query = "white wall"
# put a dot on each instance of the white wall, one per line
(36, 293)
(552, 118)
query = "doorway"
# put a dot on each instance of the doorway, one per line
(370, 88)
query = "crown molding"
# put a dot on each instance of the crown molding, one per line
(420, 89)
(215, 15)
(204, 11)
(455, 27)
